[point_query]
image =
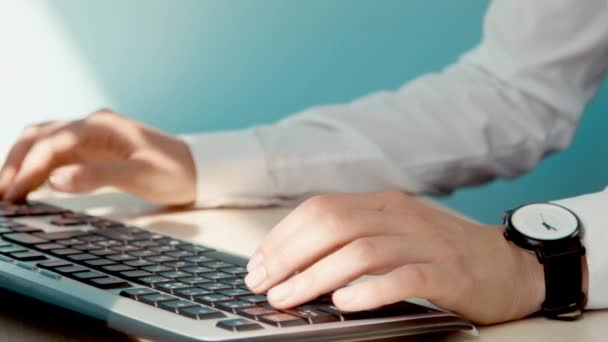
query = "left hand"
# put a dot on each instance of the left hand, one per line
(416, 249)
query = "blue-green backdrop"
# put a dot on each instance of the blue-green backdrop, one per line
(190, 65)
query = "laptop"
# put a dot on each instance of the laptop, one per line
(158, 287)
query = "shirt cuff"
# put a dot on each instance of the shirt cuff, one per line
(592, 212)
(231, 169)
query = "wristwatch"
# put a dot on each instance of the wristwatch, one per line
(553, 233)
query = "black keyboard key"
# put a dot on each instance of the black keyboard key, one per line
(27, 256)
(26, 229)
(48, 246)
(194, 281)
(234, 282)
(155, 299)
(82, 257)
(64, 251)
(192, 292)
(138, 263)
(282, 320)
(99, 262)
(5, 230)
(178, 265)
(162, 249)
(157, 268)
(136, 292)
(196, 270)
(143, 253)
(153, 280)
(238, 271)
(86, 246)
(344, 315)
(237, 293)
(255, 299)
(136, 274)
(109, 243)
(172, 287)
(197, 259)
(53, 264)
(91, 238)
(121, 257)
(11, 249)
(194, 248)
(176, 305)
(70, 269)
(54, 236)
(161, 258)
(115, 234)
(255, 312)
(108, 283)
(87, 275)
(201, 312)
(175, 274)
(217, 276)
(313, 316)
(239, 324)
(117, 268)
(126, 248)
(212, 299)
(214, 286)
(105, 223)
(103, 252)
(23, 238)
(144, 244)
(217, 264)
(180, 254)
(233, 306)
(67, 222)
(69, 242)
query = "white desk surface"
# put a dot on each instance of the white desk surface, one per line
(237, 231)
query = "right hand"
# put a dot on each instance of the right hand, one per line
(104, 149)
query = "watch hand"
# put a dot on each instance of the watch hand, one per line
(546, 225)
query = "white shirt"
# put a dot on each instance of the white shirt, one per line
(497, 112)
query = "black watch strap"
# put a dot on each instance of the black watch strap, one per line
(564, 297)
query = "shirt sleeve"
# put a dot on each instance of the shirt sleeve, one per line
(496, 112)
(591, 210)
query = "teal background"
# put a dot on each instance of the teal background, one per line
(187, 66)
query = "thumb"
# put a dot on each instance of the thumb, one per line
(88, 177)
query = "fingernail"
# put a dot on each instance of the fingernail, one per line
(280, 293)
(343, 296)
(255, 261)
(255, 277)
(10, 195)
(59, 180)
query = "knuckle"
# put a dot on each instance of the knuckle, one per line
(30, 131)
(102, 117)
(319, 203)
(416, 277)
(365, 252)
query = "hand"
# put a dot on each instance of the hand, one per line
(104, 149)
(415, 249)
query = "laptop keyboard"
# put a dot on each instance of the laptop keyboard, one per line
(165, 273)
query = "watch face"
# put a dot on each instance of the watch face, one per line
(544, 221)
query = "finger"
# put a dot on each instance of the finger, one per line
(78, 178)
(427, 281)
(126, 175)
(363, 256)
(44, 156)
(303, 217)
(15, 156)
(319, 238)
(20, 149)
